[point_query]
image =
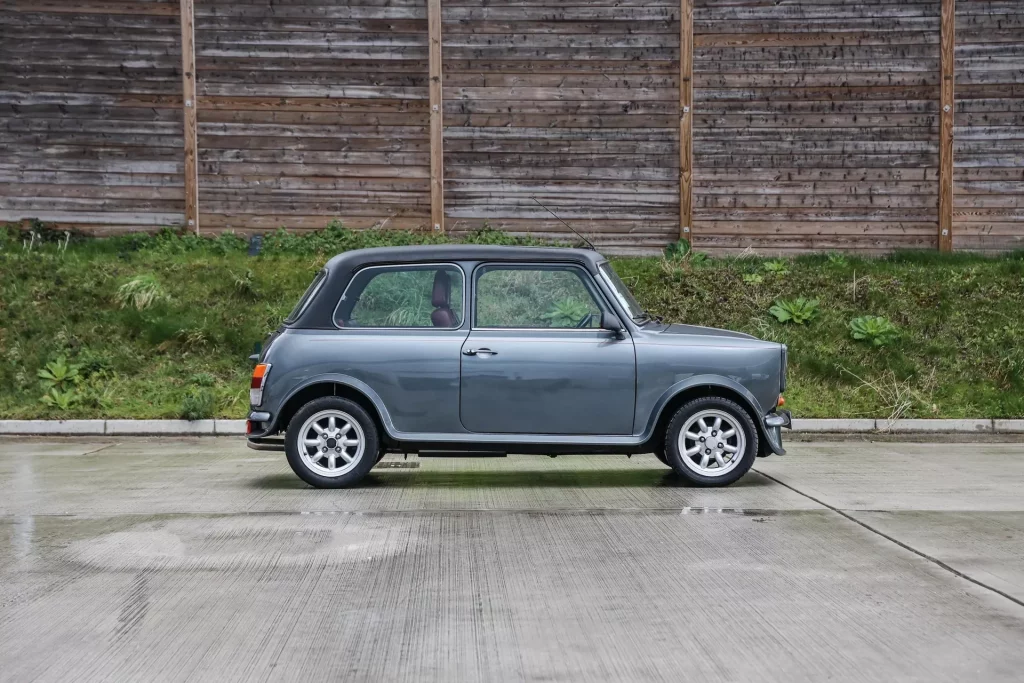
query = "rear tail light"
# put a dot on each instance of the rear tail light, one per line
(259, 378)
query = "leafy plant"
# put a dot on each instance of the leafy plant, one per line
(203, 379)
(566, 313)
(777, 267)
(198, 404)
(62, 400)
(753, 278)
(677, 251)
(681, 251)
(141, 292)
(799, 310)
(245, 286)
(874, 329)
(837, 259)
(60, 375)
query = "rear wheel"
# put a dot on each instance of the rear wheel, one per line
(711, 441)
(331, 442)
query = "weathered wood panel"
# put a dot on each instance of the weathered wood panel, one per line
(988, 145)
(311, 111)
(813, 124)
(90, 113)
(575, 107)
(816, 124)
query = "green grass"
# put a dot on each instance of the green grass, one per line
(174, 341)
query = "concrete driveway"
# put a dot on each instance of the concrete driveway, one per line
(198, 559)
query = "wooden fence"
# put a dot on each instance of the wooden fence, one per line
(782, 125)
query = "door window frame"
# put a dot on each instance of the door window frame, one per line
(586, 278)
(404, 266)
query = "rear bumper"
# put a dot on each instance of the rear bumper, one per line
(265, 444)
(773, 425)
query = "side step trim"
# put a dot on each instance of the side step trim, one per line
(462, 454)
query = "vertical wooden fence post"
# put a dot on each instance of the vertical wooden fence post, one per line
(686, 120)
(947, 41)
(188, 93)
(436, 117)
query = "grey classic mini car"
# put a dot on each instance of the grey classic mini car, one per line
(485, 350)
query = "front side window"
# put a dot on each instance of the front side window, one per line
(535, 297)
(403, 296)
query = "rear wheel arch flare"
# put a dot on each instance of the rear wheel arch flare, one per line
(328, 388)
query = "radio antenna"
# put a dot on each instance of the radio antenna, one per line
(589, 243)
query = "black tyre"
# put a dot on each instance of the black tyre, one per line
(331, 443)
(711, 441)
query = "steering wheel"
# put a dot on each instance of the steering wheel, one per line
(585, 320)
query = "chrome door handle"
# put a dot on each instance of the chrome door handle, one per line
(479, 352)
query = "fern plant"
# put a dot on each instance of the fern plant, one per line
(873, 329)
(798, 311)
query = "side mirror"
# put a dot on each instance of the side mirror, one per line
(611, 322)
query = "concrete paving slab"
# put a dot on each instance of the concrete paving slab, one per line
(216, 475)
(905, 476)
(450, 596)
(197, 559)
(988, 547)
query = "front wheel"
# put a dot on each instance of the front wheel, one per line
(331, 443)
(711, 441)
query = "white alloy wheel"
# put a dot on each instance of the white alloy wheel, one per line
(712, 443)
(330, 443)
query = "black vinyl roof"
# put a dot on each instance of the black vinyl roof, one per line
(459, 252)
(319, 313)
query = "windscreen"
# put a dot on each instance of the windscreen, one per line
(622, 293)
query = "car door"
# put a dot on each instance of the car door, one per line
(401, 329)
(536, 360)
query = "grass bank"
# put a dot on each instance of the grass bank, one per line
(160, 326)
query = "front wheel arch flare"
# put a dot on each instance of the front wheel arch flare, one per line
(700, 391)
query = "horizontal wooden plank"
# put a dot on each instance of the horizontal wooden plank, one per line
(312, 104)
(307, 169)
(839, 227)
(131, 193)
(219, 221)
(84, 217)
(167, 8)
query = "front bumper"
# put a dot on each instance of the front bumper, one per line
(773, 424)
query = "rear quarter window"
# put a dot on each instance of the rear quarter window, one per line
(307, 296)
